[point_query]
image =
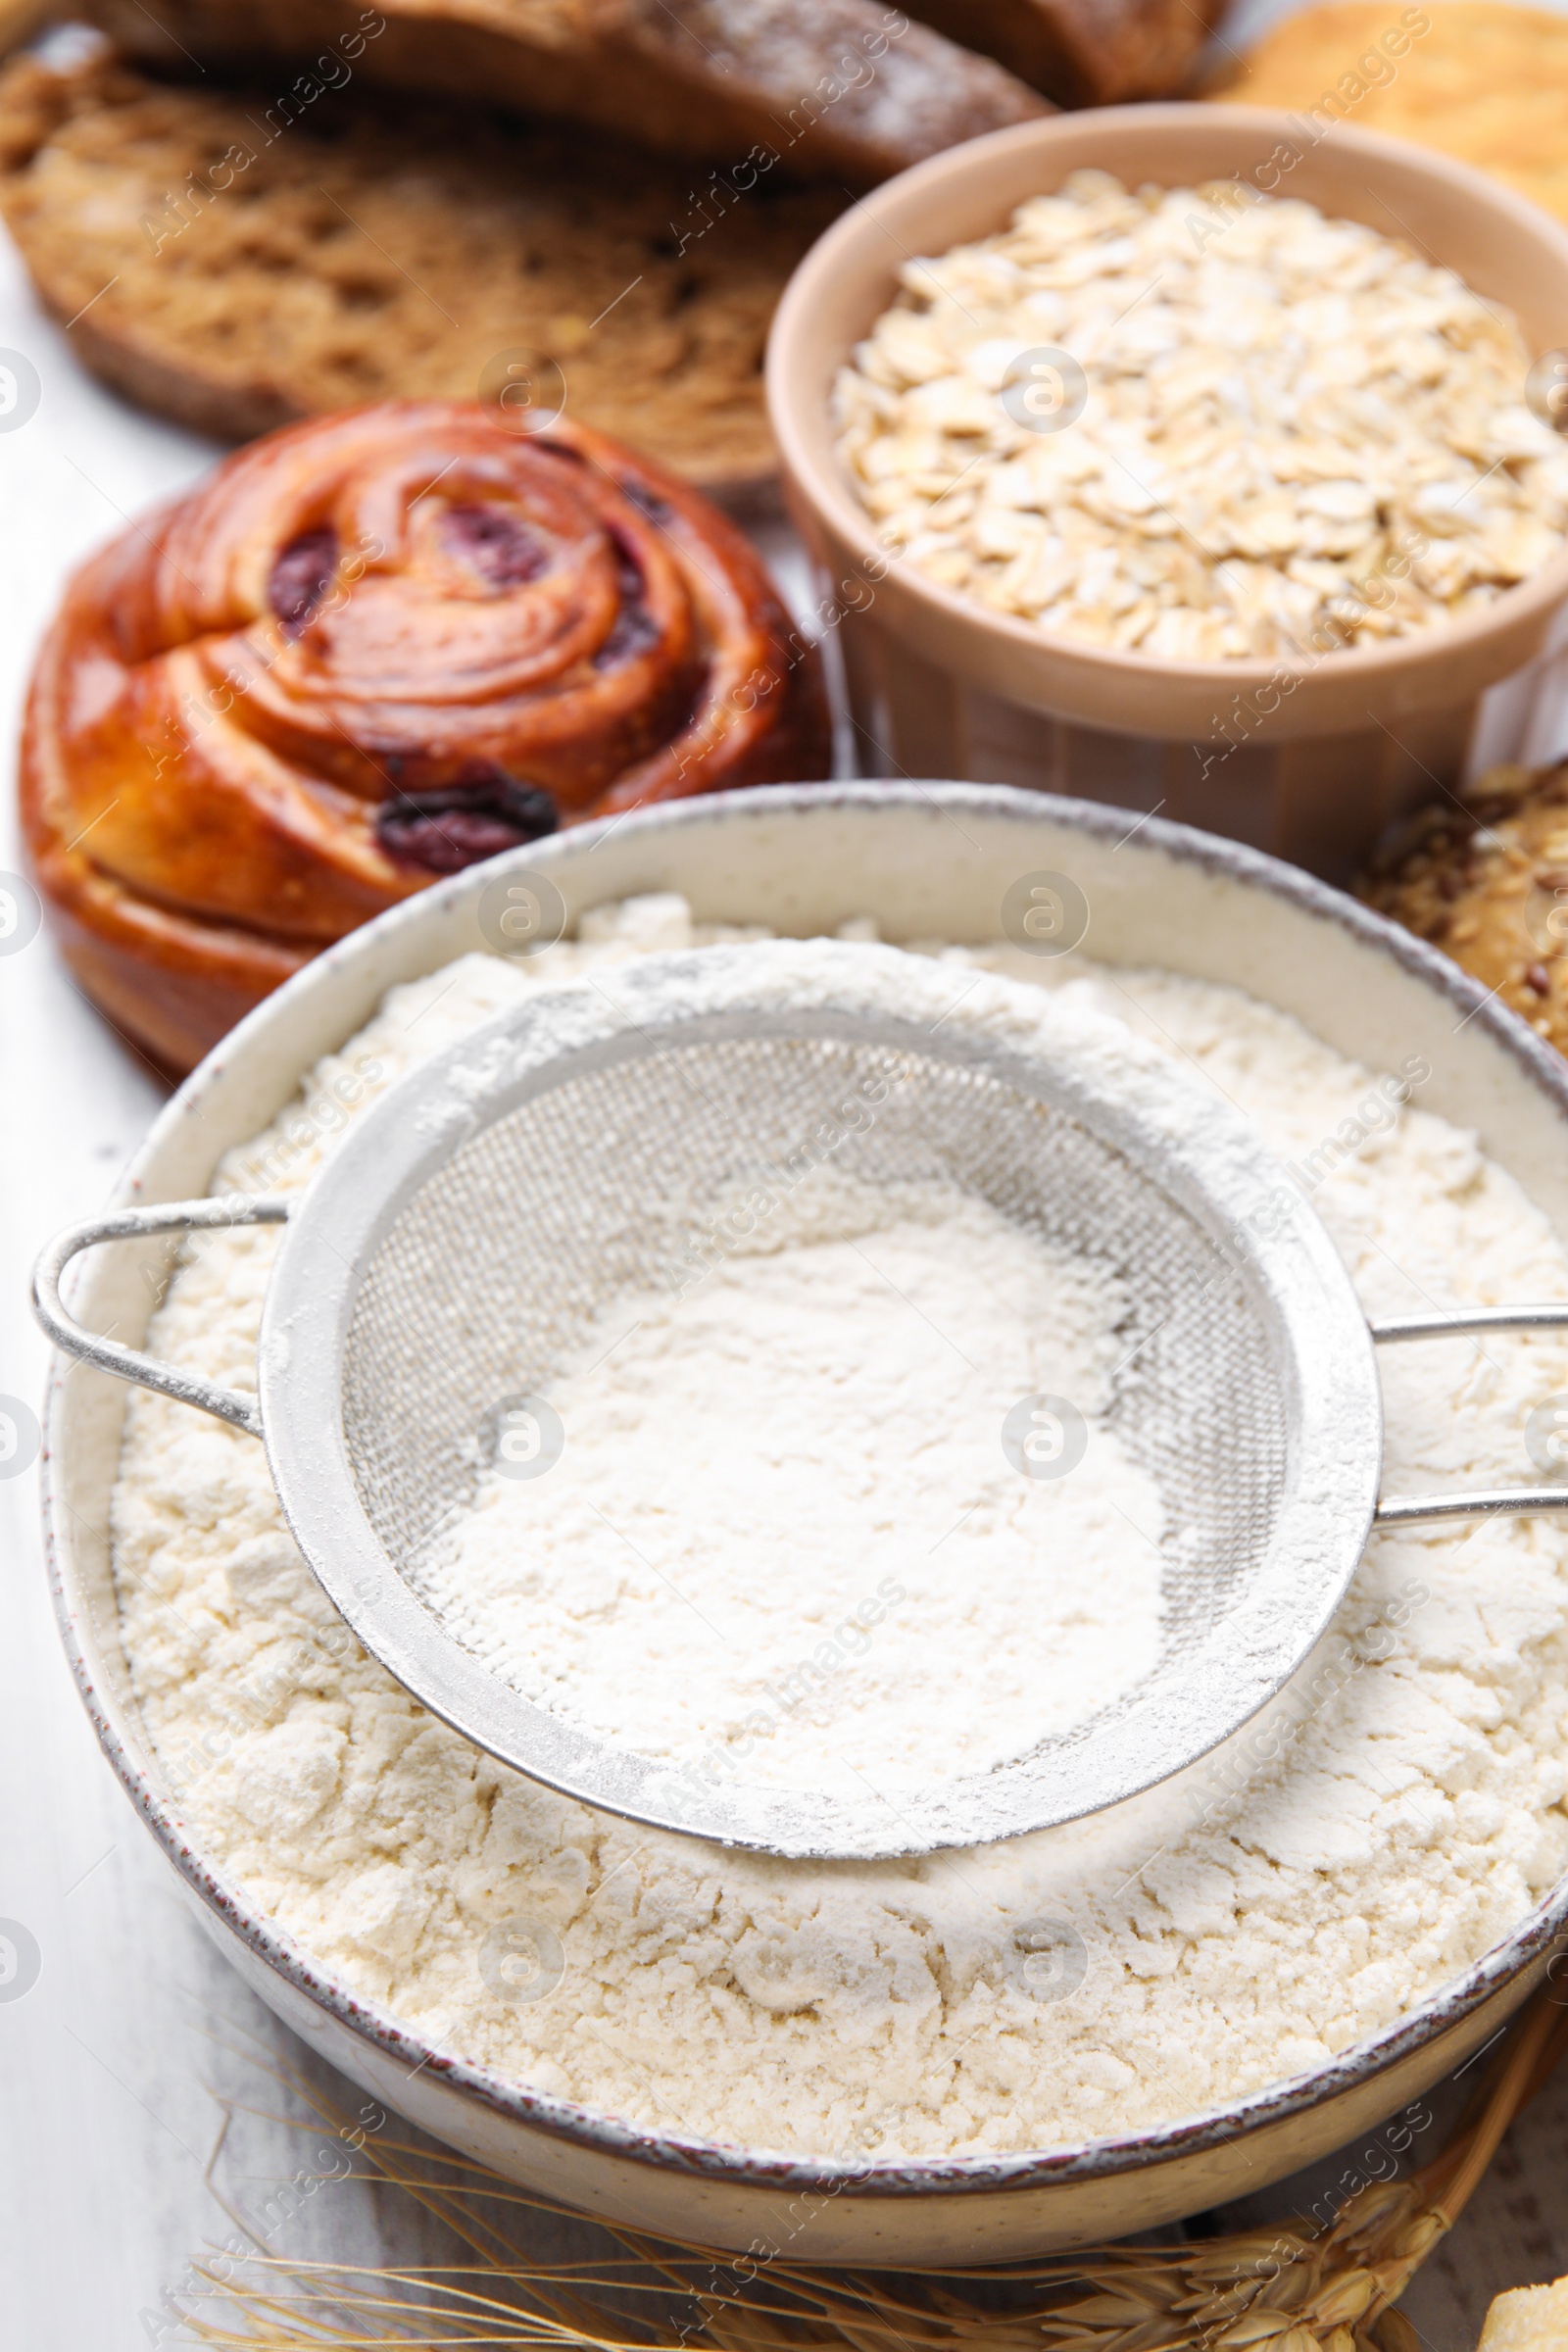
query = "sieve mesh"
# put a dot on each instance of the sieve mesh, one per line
(484, 1285)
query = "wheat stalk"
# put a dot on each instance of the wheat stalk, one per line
(1279, 2289)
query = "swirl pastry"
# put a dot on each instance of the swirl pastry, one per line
(366, 652)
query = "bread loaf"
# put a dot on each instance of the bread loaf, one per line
(849, 89)
(235, 268)
(1083, 52)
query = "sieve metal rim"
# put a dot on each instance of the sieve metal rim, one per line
(1297, 1278)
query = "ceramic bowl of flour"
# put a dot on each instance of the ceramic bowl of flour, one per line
(1207, 2068)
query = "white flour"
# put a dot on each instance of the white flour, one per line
(784, 1534)
(1213, 1936)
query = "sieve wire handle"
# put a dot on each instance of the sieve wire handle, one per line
(107, 1355)
(1405, 1511)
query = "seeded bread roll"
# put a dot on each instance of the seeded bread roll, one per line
(1487, 883)
(236, 271)
(842, 88)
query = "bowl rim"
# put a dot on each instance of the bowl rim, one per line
(825, 489)
(1528, 1945)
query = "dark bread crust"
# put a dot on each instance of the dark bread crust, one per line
(169, 386)
(1083, 52)
(841, 89)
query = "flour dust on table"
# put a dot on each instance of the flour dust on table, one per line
(1215, 1935)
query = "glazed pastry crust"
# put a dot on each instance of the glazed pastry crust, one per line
(366, 652)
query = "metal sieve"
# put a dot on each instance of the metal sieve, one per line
(456, 1250)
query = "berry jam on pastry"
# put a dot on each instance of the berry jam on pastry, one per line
(366, 652)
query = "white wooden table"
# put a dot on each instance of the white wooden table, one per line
(110, 2061)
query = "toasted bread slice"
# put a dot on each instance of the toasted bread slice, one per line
(1083, 52)
(846, 89)
(236, 275)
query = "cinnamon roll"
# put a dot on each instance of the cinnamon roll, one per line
(366, 652)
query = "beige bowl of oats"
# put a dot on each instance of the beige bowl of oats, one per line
(1184, 457)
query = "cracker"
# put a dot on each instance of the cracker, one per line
(1476, 78)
